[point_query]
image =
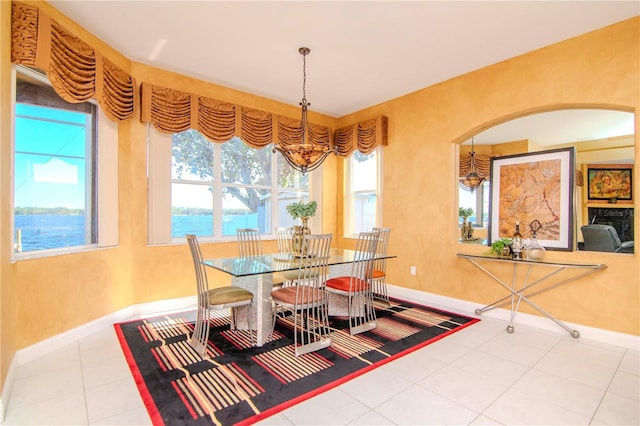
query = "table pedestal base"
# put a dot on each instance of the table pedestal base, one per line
(261, 286)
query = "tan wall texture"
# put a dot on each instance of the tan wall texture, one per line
(41, 298)
(598, 69)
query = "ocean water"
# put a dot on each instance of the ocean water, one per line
(40, 232)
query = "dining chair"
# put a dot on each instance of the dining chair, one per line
(250, 244)
(284, 237)
(306, 299)
(379, 281)
(228, 297)
(357, 287)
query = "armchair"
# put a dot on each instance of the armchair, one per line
(599, 237)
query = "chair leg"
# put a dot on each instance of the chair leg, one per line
(362, 314)
(380, 291)
(234, 321)
(312, 325)
(250, 321)
(200, 336)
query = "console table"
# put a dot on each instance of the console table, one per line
(522, 291)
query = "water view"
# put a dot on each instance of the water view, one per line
(50, 231)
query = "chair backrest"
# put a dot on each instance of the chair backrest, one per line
(249, 242)
(314, 263)
(284, 237)
(600, 238)
(201, 273)
(381, 251)
(363, 262)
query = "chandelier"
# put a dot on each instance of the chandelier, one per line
(472, 180)
(302, 155)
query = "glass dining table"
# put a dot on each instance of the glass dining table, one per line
(255, 273)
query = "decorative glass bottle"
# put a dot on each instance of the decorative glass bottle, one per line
(535, 251)
(466, 229)
(516, 242)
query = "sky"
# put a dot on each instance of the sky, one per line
(50, 152)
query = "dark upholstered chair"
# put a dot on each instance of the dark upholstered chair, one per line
(604, 238)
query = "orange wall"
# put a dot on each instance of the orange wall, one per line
(8, 315)
(598, 69)
(41, 298)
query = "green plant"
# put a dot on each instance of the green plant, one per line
(301, 209)
(462, 212)
(498, 246)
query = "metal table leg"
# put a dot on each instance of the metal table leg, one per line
(523, 293)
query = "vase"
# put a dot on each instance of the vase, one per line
(466, 230)
(506, 252)
(297, 240)
(534, 250)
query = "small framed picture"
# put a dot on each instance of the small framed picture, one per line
(610, 183)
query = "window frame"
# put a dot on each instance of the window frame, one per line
(159, 174)
(103, 180)
(348, 219)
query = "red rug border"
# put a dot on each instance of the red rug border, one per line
(157, 420)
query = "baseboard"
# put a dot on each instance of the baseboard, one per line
(468, 308)
(142, 310)
(7, 388)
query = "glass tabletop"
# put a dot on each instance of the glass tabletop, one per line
(532, 261)
(269, 263)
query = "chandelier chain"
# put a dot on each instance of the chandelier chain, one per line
(301, 154)
(304, 51)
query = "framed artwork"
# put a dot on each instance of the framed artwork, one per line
(535, 186)
(612, 183)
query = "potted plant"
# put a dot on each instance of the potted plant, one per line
(465, 213)
(501, 247)
(466, 228)
(302, 210)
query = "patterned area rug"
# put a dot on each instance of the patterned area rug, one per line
(240, 384)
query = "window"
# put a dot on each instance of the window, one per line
(55, 198)
(218, 188)
(478, 201)
(362, 189)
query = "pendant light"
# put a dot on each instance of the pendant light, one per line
(472, 180)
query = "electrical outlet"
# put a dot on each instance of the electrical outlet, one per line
(413, 270)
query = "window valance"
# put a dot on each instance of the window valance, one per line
(173, 111)
(76, 71)
(364, 136)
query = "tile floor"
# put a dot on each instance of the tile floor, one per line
(480, 375)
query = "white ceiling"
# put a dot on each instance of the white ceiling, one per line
(362, 52)
(560, 127)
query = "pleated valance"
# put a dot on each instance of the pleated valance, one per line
(173, 111)
(76, 71)
(364, 136)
